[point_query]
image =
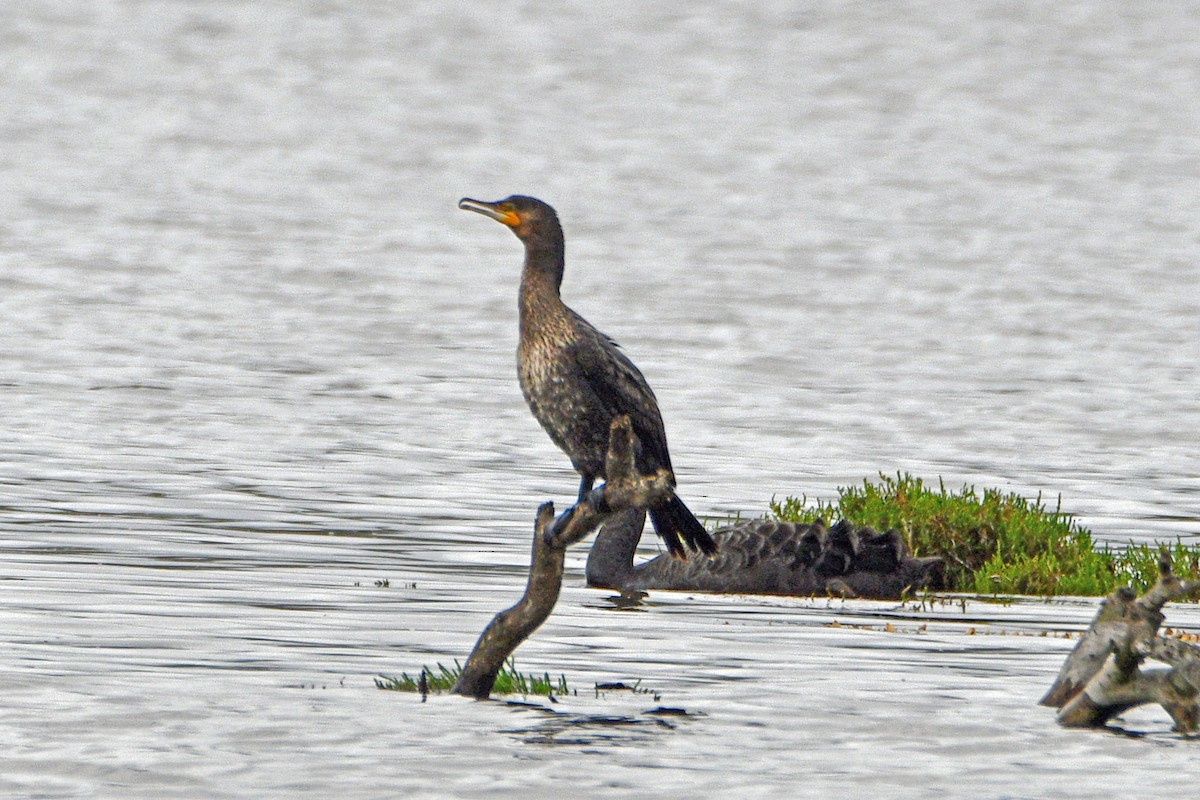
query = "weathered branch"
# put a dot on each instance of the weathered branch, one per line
(623, 489)
(1103, 677)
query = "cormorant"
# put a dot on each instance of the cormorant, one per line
(575, 378)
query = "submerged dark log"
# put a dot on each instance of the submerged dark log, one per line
(624, 489)
(1103, 676)
(767, 557)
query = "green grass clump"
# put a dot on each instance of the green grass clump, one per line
(992, 542)
(509, 681)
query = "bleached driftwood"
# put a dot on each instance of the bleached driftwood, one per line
(624, 489)
(1103, 677)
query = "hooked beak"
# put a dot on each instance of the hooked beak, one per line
(508, 218)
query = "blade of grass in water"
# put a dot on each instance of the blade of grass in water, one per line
(442, 679)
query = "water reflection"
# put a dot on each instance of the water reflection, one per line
(560, 729)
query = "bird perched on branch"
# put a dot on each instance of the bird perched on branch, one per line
(575, 379)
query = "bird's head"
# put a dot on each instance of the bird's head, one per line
(529, 218)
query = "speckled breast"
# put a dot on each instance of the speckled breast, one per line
(567, 410)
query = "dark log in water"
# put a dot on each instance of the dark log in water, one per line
(768, 557)
(624, 489)
(1103, 676)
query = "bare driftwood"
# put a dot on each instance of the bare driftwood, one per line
(624, 489)
(1103, 677)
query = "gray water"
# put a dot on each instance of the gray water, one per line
(262, 439)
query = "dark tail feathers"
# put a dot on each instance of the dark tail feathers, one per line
(678, 527)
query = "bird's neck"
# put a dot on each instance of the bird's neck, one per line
(540, 281)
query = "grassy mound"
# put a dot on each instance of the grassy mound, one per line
(994, 542)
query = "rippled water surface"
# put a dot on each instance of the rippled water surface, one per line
(262, 439)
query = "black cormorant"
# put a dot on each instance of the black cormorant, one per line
(575, 379)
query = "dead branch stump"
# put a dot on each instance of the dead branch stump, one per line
(1103, 676)
(624, 489)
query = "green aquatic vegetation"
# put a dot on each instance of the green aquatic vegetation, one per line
(993, 542)
(509, 681)
(1137, 564)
